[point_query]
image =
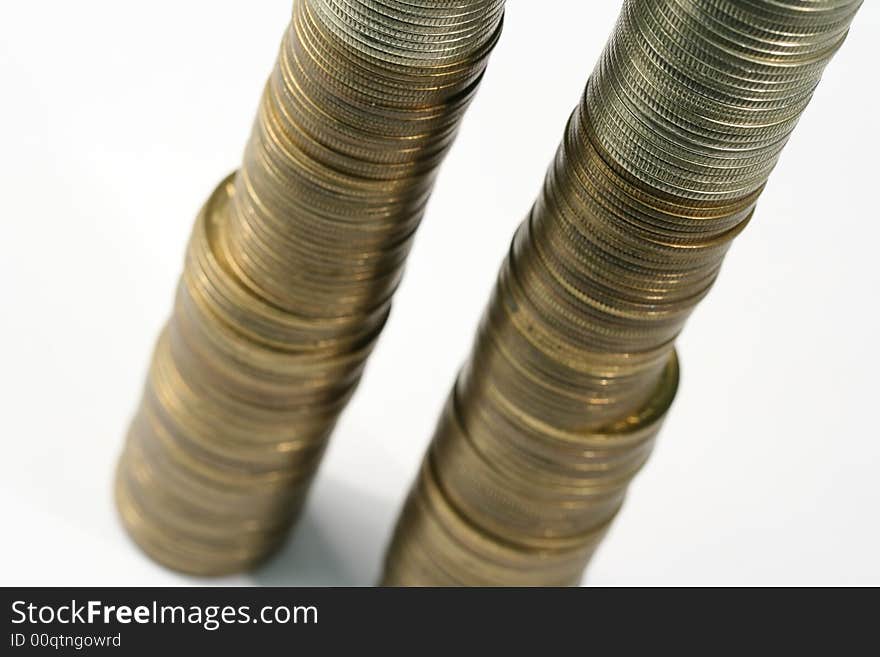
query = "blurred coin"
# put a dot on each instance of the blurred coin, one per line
(290, 271)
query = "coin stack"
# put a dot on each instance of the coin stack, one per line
(289, 273)
(574, 366)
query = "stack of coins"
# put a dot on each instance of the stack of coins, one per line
(573, 366)
(290, 270)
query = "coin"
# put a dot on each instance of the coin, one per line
(290, 271)
(573, 368)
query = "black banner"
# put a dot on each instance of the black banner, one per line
(271, 620)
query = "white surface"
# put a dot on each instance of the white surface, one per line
(116, 121)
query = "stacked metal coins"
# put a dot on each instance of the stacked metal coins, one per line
(574, 366)
(289, 273)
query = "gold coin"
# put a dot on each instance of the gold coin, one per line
(290, 271)
(573, 368)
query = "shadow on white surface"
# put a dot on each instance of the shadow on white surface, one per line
(338, 541)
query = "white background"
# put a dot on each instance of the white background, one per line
(116, 121)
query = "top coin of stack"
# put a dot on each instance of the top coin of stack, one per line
(573, 367)
(290, 271)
